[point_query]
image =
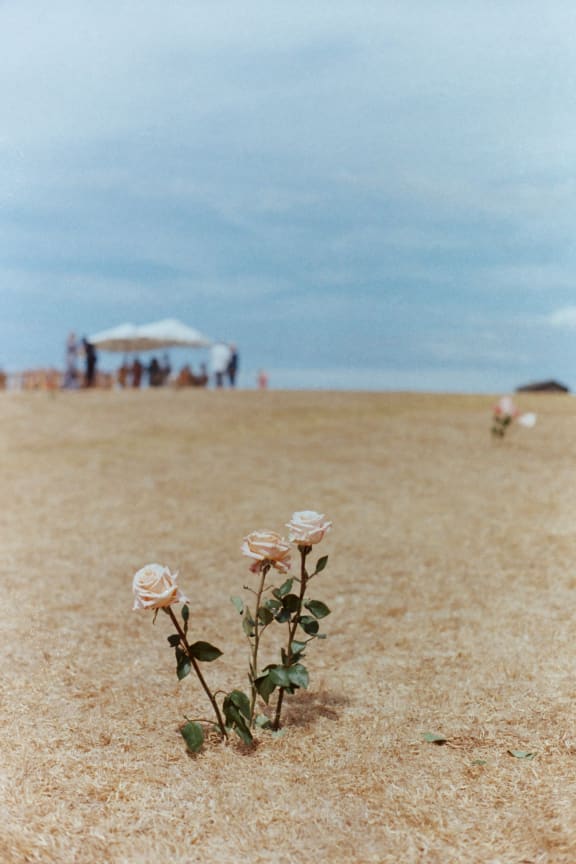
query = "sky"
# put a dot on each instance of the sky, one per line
(360, 195)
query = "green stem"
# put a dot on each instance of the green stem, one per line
(196, 668)
(256, 644)
(304, 551)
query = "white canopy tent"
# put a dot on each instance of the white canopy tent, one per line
(171, 333)
(168, 333)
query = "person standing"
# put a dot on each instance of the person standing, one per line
(91, 360)
(219, 359)
(71, 371)
(232, 368)
(137, 369)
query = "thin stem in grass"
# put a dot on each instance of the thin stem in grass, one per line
(196, 667)
(256, 643)
(304, 551)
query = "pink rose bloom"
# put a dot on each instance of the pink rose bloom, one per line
(267, 546)
(505, 407)
(308, 527)
(155, 586)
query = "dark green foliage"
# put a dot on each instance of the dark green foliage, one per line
(193, 736)
(284, 589)
(321, 564)
(205, 652)
(317, 608)
(183, 664)
(236, 708)
(309, 624)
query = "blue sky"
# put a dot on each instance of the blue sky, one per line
(376, 194)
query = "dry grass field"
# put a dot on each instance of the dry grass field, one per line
(452, 580)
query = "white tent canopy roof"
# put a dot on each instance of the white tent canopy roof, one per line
(168, 333)
(173, 333)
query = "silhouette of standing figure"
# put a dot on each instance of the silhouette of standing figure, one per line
(232, 369)
(91, 359)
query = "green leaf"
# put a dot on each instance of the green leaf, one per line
(283, 616)
(291, 602)
(193, 736)
(434, 738)
(185, 613)
(265, 686)
(265, 616)
(280, 676)
(174, 640)
(241, 701)
(183, 664)
(248, 623)
(309, 625)
(321, 564)
(262, 721)
(298, 675)
(317, 608)
(242, 730)
(284, 589)
(272, 604)
(235, 704)
(238, 603)
(522, 754)
(205, 652)
(297, 647)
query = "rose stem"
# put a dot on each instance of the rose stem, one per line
(254, 664)
(198, 672)
(304, 551)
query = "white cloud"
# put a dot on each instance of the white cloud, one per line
(564, 318)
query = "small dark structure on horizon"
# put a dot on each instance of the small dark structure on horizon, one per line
(543, 387)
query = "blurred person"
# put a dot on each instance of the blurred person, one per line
(185, 377)
(137, 370)
(154, 373)
(91, 361)
(262, 380)
(219, 359)
(232, 368)
(123, 373)
(202, 378)
(165, 369)
(71, 368)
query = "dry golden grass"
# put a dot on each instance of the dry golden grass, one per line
(452, 580)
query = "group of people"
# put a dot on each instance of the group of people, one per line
(75, 350)
(224, 362)
(132, 374)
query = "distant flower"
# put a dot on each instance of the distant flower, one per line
(505, 407)
(504, 414)
(307, 527)
(527, 420)
(155, 586)
(267, 546)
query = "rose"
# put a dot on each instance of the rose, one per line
(155, 586)
(267, 546)
(307, 527)
(505, 406)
